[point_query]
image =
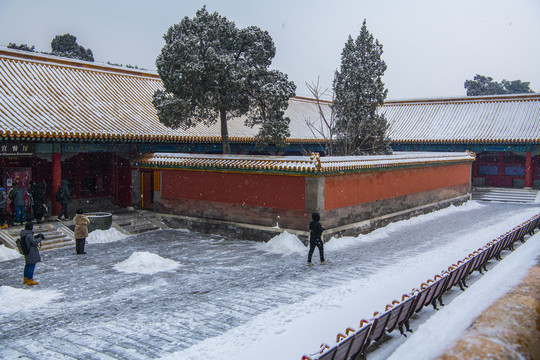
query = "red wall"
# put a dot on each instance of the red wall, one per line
(354, 189)
(274, 191)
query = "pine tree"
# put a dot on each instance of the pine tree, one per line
(23, 47)
(358, 91)
(66, 45)
(213, 70)
(484, 85)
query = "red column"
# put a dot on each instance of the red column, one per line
(56, 178)
(528, 170)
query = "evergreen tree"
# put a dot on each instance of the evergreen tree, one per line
(211, 69)
(484, 85)
(66, 46)
(358, 91)
(517, 87)
(23, 47)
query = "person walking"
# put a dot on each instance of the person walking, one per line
(3, 205)
(38, 195)
(63, 197)
(17, 195)
(32, 258)
(81, 223)
(315, 239)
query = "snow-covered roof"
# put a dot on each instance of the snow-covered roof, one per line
(43, 96)
(479, 119)
(298, 164)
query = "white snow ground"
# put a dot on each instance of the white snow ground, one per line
(180, 295)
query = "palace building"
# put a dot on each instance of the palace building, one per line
(88, 123)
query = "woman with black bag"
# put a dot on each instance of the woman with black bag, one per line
(32, 257)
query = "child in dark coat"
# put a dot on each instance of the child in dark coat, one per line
(315, 240)
(33, 257)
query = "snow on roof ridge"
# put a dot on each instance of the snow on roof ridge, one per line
(310, 164)
(502, 97)
(55, 60)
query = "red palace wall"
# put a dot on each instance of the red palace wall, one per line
(354, 189)
(273, 191)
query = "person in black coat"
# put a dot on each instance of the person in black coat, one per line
(32, 258)
(3, 206)
(38, 197)
(63, 197)
(315, 240)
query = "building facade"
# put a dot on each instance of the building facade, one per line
(503, 131)
(64, 119)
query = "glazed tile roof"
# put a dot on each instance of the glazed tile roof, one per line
(44, 96)
(49, 97)
(298, 164)
(480, 119)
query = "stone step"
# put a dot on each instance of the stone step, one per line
(139, 227)
(516, 196)
(138, 223)
(57, 235)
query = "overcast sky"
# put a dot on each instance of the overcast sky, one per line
(431, 47)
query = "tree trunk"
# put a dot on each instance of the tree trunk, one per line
(224, 132)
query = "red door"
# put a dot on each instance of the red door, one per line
(123, 194)
(146, 190)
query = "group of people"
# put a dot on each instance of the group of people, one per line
(81, 222)
(33, 242)
(35, 197)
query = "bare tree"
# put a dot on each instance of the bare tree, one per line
(323, 126)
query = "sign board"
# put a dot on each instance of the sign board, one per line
(14, 149)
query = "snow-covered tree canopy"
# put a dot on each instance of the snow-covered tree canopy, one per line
(23, 47)
(66, 45)
(358, 90)
(211, 69)
(484, 85)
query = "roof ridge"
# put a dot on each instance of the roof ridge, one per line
(20, 55)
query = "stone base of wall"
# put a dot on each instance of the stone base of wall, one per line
(367, 226)
(245, 231)
(235, 213)
(346, 216)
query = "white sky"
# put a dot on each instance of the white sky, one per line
(431, 47)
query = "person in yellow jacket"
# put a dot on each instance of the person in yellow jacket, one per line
(81, 223)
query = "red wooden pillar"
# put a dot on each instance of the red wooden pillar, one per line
(113, 174)
(528, 170)
(56, 179)
(146, 190)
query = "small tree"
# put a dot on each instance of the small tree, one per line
(484, 85)
(213, 70)
(359, 90)
(322, 127)
(23, 47)
(66, 45)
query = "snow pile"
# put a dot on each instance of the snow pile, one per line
(105, 236)
(143, 262)
(8, 254)
(14, 300)
(283, 243)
